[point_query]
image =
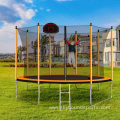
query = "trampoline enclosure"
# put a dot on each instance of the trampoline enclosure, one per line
(58, 53)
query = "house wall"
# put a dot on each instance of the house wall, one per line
(107, 49)
(105, 46)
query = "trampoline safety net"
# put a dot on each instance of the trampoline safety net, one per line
(59, 54)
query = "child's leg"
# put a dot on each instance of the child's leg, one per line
(73, 59)
(70, 59)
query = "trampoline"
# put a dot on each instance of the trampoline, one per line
(60, 79)
(45, 52)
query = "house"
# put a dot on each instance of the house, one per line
(104, 47)
(118, 36)
(57, 47)
(106, 39)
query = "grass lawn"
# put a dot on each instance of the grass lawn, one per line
(26, 106)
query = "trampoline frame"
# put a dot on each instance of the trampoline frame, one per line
(61, 81)
(38, 58)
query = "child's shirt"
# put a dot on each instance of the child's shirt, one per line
(71, 48)
(72, 45)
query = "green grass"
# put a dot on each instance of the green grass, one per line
(26, 106)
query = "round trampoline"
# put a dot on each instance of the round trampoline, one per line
(70, 79)
(63, 55)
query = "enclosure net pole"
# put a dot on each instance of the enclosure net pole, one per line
(91, 53)
(98, 56)
(38, 62)
(38, 50)
(27, 51)
(27, 55)
(90, 63)
(65, 53)
(111, 58)
(16, 58)
(49, 54)
(112, 53)
(76, 53)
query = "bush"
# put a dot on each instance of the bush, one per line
(7, 60)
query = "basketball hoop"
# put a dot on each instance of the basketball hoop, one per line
(50, 28)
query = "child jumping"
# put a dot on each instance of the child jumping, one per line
(71, 57)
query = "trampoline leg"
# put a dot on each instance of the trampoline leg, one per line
(69, 99)
(91, 94)
(60, 97)
(16, 89)
(99, 86)
(111, 88)
(38, 94)
(60, 101)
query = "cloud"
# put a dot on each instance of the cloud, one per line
(6, 3)
(12, 13)
(114, 24)
(7, 16)
(41, 8)
(7, 37)
(29, 1)
(36, 10)
(22, 12)
(48, 10)
(63, 0)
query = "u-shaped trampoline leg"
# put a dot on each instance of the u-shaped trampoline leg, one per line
(69, 99)
(16, 89)
(60, 97)
(90, 94)
(111, 88)
(38, 94)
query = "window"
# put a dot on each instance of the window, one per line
(114, 42)
(107, 56)
(108, 43)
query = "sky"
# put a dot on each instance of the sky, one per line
(22, 13)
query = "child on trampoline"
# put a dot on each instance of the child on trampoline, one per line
(71, 56)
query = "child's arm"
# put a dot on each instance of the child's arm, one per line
(77, 42)
(67, 42)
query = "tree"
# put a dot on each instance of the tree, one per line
(72, 37)
(43, 46)
(34, 47)
(118, 27)
(43, 42)
(79, 36)
(20, 50)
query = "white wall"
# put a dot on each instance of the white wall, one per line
(107, 39)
